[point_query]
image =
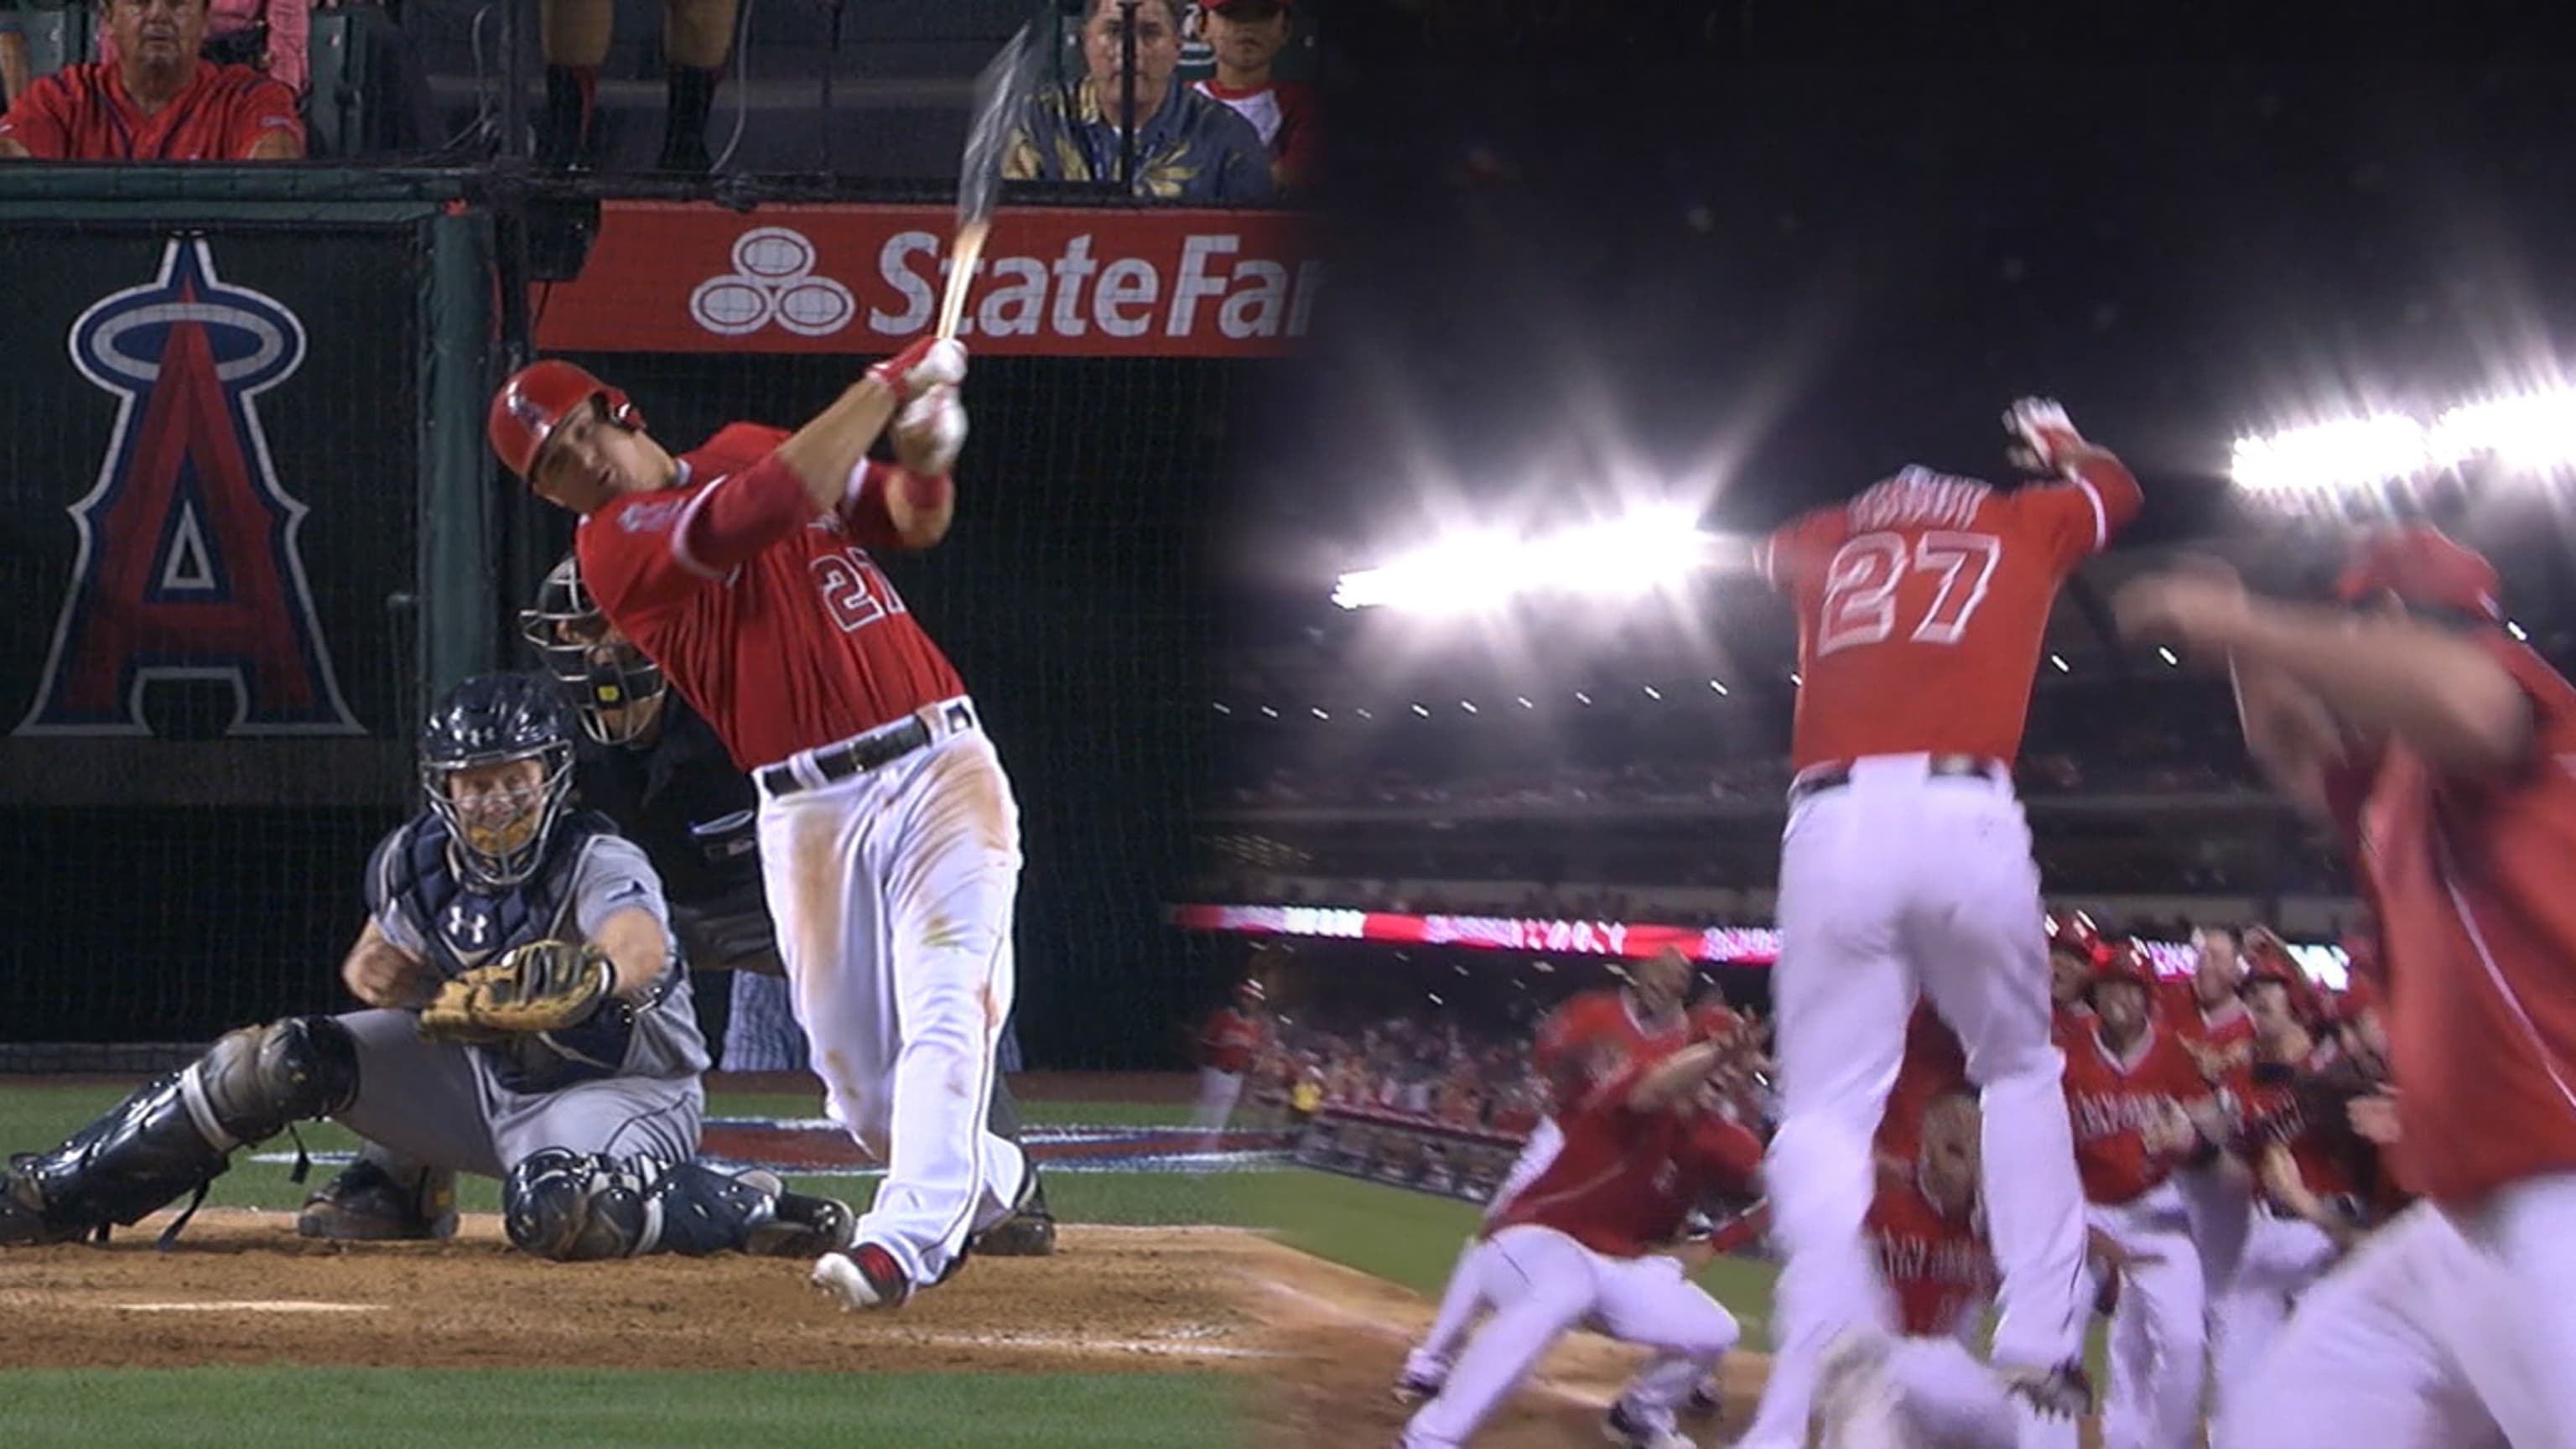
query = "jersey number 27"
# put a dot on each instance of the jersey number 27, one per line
(854, 589)
(1861, 584)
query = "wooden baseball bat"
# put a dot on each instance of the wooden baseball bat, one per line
(962, 260)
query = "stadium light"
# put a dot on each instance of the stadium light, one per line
(1523, 701)
(1718, 685)
(2167, 655)
(1364, 714)
(1221, 709)
(1653, 693)
(1795, 681)
(2534, 432)
(2515, 630)
(1425, 713)
(1649, 549)
(1317, 713)
(1468, 705)
(2060, 661)
(1268, 713)
(1581, 698)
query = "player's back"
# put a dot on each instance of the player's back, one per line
(1595, 1035)
(1922, 605)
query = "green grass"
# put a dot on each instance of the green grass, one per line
(35, 1118)
(454, 1409)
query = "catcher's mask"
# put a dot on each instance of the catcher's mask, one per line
(501, 821)
(604, 676)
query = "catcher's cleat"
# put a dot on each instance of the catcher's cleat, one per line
(866, 1277)
(1413, 1388)
(22, 1212)
(1621, 1427)
(800, 1225)
(364, 1204)
(2063, 1392)
(1029, 1232)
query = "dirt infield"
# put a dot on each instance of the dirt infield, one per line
(240, 1287)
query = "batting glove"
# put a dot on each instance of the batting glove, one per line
(929, 431)
(928, 363)
(2045, 436)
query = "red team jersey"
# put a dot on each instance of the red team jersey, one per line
(1938, 1266)
(2477, 932)
(1624, 1180)
(2224, 1036)
(2303, 1114)
(2111, 1101)
(82, 113)
(1934, 1063)
(1596, 1035)
(770, 618)
(1921, 605)
(1230, 1040)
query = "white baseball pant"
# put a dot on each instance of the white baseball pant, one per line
(1464, 1294)
(893, 892)
(2447, 1329)
(1542, 1283)
(1952, 1400)
(1218, 1092)
(1898, 884)
(2284, 1257)
(2159, 1331)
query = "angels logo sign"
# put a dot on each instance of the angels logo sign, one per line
(187, 566)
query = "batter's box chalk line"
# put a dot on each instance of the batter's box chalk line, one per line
(251, 1305)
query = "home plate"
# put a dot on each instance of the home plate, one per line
(250, 1305)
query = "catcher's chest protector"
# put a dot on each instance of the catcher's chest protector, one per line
(463, 926)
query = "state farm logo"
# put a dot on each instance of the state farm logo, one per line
(772, 281)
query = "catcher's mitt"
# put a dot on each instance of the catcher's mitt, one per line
(542, 986)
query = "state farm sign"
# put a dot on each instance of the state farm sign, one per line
(692, 277)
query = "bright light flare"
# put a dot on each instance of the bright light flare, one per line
(2535, 433)
(2532, 433)
(1648, 550)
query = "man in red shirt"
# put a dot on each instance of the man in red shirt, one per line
(889, 841)
(2311, 1168)
(1227, 1044)
(2441, 749)
(2205, 1011)
(1589, 1240)
(1247, 36)
(2141, 1111)
(1906, 871)
(157, 101)
(1590, 1038)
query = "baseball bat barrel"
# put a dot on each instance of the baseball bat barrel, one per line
(962, 259)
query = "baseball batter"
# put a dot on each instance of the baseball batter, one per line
(1228, 1045)
(888, 837)
(1587, 1241)
(528, 1020)
(1591, 1037)
(651, 763)
(1906, 870)
(2439, 747)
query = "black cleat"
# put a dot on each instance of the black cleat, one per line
(364, 1204)
(799, 1226)
(2063, 1392)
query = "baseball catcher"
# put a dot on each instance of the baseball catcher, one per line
(527, 1019)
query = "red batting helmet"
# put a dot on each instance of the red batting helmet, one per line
(2421, 565)
(538, 397)
(2128, 962)
(2074, 933)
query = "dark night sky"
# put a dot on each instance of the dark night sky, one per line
(1816, 271)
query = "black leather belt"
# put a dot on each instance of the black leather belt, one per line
(1940, 767)
(836, 763)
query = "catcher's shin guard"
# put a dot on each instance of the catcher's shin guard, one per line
(177, 1134)
(575, 1207)
(372, 1203)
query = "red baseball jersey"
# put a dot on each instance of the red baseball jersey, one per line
(2304, 1111)
(1934, 1063)
(1593, 1036)
(1921, 605)
(2477, 932)
(1229, 1040)
(2224, 1035)
(766, 614)
(82, 113)
(1624, 1179)
(1715, 1021)
(1938, 1266)
(2114, 1100)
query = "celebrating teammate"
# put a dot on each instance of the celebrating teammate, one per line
(651, 764)
(1906, 870)
(888, 837)
(2439, 748)
(528, 1020)
(1585, 1242)
(1589, 1038)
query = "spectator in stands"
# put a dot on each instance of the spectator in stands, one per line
(1248, 35)
(697, 36)
(159, 101)
(14, 74)
(1188, 147)
(267, 35)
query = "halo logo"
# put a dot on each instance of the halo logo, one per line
(772, 281)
